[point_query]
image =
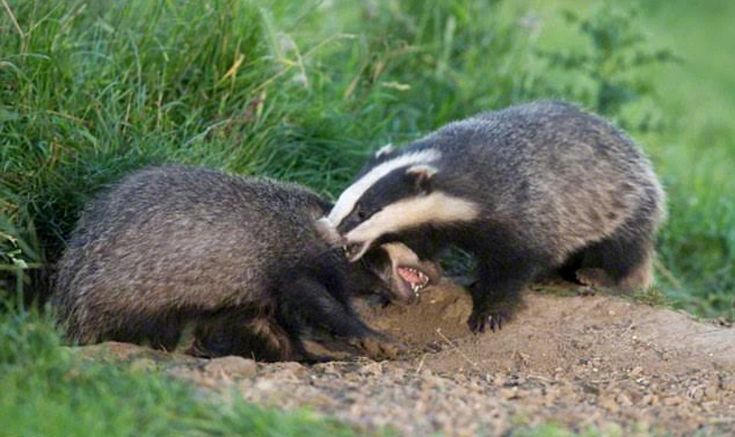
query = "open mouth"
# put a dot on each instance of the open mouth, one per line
(415, 279)
(403, 274)
(408, 278)
(410, 275)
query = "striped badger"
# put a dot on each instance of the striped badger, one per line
(527, 190)
(239, 259)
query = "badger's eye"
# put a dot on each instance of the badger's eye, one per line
(360, 211)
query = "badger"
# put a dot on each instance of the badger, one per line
(528, 190)
(240, 260)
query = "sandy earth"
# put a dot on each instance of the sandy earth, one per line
(581, 361)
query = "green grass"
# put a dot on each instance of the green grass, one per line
(696, 157)
(48, 391)
(554, 430)
(684, 120)
(304, 90)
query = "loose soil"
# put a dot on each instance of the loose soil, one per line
(583, 362)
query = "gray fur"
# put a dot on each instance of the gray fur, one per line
(552, 185)
(559, 177)
(170, 245)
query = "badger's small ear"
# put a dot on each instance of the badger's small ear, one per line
(384, 152)
(421, 175)
(326, 230)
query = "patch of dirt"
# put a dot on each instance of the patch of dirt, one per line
(579, 361)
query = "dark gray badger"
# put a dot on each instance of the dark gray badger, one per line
(240, 259)
(527, 190)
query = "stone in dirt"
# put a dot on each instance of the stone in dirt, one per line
(231, 366)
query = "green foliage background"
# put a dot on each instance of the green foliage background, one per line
(91, 89)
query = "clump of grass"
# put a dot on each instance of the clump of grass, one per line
(653, 296)
(696, 156)
(90, 92)
(47, 390)
(561, 290)
(553, 429)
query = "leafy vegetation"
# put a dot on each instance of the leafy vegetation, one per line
(302, 91)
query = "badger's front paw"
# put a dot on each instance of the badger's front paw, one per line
(492, 318)
(378, 348)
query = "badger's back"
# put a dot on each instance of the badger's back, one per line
(555, 175)
(179, 240)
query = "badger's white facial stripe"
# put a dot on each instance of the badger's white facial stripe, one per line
(434, 208)
(347, 200)
(388, 148)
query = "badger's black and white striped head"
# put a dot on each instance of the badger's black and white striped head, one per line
(399, 192)
(400, 274)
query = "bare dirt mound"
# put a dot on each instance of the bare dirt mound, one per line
(578, 361)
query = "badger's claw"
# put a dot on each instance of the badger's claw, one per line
(493, 319)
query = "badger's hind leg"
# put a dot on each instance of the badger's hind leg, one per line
(161, 331)
(637, 276)
(248, 334)
(623, 260)
(594, 277)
